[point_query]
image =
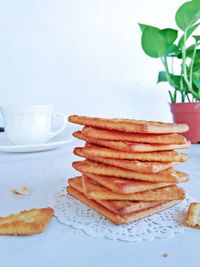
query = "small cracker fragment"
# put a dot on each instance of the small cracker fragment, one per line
(193, 215)
(27, 222)
(22, 190)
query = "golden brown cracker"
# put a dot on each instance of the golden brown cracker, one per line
(130, 125)
(125, 186)
(88, 166)
(134, 165)
(133, 137)
(130, 147)
(115, 218)
(121, 207)
(27, 222)
(96, 191)
(163, 156)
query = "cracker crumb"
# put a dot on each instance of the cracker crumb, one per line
(165, 254)
(22, 190)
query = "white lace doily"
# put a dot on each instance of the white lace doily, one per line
(72, 212)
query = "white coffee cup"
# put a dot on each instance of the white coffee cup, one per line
(31, 124)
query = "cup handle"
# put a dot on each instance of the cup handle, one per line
(62, 127)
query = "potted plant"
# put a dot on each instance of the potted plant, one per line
(179, 48)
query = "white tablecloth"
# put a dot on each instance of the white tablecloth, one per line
(61, 245)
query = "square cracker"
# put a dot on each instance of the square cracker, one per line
(121, 207)
(128, 146)
(96, 191)
(116, 218)
(130, 125)
(127, 186)
(89, 166)
(162, 156)
(134, 165)
(27, 222)
(133, 137)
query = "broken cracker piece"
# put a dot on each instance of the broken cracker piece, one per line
(28, 222)
(193, 215)
(23, 190)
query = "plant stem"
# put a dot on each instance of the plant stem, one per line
(188, 97)
(192, 63)
(172, 65)
(173, 98)
(185, 67)
(175, 95)
(164, 61)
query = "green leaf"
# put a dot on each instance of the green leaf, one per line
(196, 37)
(189, 53)
(188, 34)
(196, 66)
(170, 35)
(197, 83)
(145, 26)
(173, 50)
(197, 58)
(188, 14)
(176, 81)
(154, 43)
(162, 77)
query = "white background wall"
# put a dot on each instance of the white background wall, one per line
(84, 56)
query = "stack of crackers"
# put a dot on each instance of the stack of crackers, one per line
(128, 171)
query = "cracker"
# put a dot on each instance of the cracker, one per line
(163, 156)
(96, 191)
(115, 218)
(125, 186)
(88, 166)
(130, 125)
(134, 165)
(193, 215)
(22, 190)
(121, 207)
(27, 222)
(130, 147)
(134, 137)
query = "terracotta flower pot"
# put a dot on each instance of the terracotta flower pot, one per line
(188, 113)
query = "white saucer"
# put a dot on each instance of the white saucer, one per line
(7, 146)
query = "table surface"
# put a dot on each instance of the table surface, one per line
(61, 245)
